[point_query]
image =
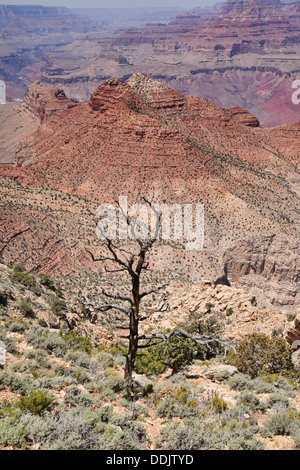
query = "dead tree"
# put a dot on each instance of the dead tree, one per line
(128, 307)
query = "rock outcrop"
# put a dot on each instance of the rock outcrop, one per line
(43, 102)
(293, 334)
(269, 264)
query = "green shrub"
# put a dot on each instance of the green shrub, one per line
(18, 326)
(242, 443)
(188, 436)
(203, 324)
(72, 339)
(240, 382)
(58, 306)
(35, 403)
(261, 386)
(10, 343)
(290, 317)
(17, 383)
(49, 341)
(3, 299)
(229, 312)
(40, 356)
(175, 354)
(249, 398)
(28, 280)
(218, 404)
(113, 385)
(277, 399)
(296, 439)
(80, 358)
(106, 360)
(149, 362)
(46, 281)
(12, 432)
(74, 429)
(279, 424)
(134, 429)
(122, 440)
(258, 354)
(74, 396)
(26, 309)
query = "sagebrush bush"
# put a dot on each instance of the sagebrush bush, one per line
(17, 327)
(219, 405)
(40, 356)
(17, 383)
(249, 398)
(277, 399)
(171, 408)
(74, 396)
(281, 423)
(10, 343)
(49, 341)
(242, 443)
(46, 281)
(111, 386)
(188, 436)
(240, 382)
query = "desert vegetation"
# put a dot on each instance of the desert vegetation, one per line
(63, 388)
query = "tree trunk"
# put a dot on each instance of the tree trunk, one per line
(133, 336)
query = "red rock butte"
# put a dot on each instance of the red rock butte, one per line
(141, 138)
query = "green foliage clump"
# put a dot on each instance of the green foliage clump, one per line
(258, 354)
(40, 356)
(219, 404)
(58, 306)
(149, 362)
(277, 399)
(281, 423)
(46, 281)
(26, 309)
(75, 397)
(16, 383)
(240, 382)
(3, 299)
(175, 354)
(10, 343)
(250, 399)
(195, 435)
(35, 403)
(208, 325)
(20, 275)
(112, 386)
(77, 342)
(49, 341)
(17, 325)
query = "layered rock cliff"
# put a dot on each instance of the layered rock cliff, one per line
(142, 138)
(245, 55)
